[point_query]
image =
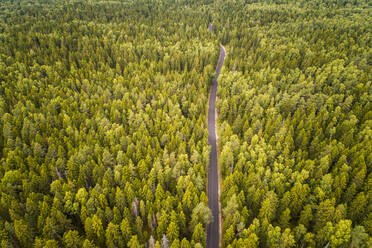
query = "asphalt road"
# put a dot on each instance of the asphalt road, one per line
(213, 229)
(210, 27)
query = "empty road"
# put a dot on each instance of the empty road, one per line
(213, 229)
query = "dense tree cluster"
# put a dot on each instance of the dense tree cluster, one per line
(103, 135)
(294, 106)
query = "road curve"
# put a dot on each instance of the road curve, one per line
(213, 229)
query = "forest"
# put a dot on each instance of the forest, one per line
(103, 130)
(103, 133)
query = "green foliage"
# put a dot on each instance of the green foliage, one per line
(103, 139)
(103, 136)
(294, 108)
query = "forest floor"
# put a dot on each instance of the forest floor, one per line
(214, 229)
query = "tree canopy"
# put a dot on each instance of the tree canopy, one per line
(103, 129)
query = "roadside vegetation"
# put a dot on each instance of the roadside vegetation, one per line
(295, 124)
(103, 131)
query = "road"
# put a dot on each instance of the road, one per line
(210, 27)
(213, 229)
